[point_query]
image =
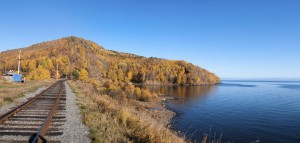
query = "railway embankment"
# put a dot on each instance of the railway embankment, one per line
(48, 114)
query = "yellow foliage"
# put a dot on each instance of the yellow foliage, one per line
(146, 95)
(39, 73)
(94, 82)
(120, 75)
(129, 76)
(138, 92)
(32, 65)
(73, 53)
(83, 75)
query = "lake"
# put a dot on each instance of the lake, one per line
(237, 111)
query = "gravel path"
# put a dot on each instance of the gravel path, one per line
(74, 130)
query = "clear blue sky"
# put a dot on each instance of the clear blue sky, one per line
(232, 38)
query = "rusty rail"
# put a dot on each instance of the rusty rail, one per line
(40, 135)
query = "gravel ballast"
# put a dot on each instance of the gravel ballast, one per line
(74, 130)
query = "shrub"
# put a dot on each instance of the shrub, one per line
(137, 92)
(146, 95)
(75, 74)
(95, 83)
(113, 90)
(8, 99)
(129, 91)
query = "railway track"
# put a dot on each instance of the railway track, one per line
(37, 120)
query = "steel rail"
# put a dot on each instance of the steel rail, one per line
(39, 137)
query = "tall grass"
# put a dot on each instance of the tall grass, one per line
(114, 120)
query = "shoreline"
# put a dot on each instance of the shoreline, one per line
(117, 119)
(166, 98)
(171, 84)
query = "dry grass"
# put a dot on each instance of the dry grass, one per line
(120, 120)
(9, 91)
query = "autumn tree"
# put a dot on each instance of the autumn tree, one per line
(129, 76)
(41, 73)
(137, 92)
(73, 53)
(75, 74)
(83, 75)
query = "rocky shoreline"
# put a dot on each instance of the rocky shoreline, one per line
(165, 99)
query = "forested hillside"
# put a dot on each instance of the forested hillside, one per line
(87, 61)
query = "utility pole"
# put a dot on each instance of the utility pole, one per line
(5, 67)
(19, 62)
(57, 71)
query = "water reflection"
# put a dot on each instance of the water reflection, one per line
(240, 111)
(186, 92)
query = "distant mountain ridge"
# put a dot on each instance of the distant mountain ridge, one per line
(76, 56)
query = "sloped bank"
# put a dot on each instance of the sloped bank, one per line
(123, 120)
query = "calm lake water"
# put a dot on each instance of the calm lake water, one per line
(239, 111)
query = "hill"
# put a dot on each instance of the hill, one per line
(85, 60)
(123, 111)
